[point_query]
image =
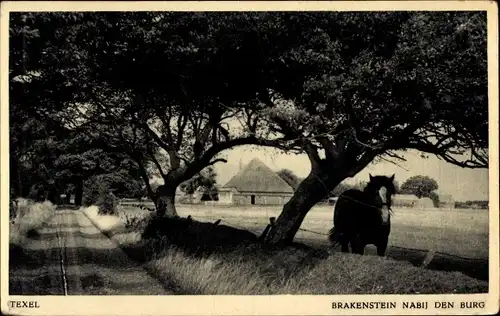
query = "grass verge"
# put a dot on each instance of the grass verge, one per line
(30, 216)
(253, 270)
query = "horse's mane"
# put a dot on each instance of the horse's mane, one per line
(378, 182)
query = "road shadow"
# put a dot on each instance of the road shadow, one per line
(37, 285)
(473, 267)
(96, 253)
(30, 259)
(476, 268)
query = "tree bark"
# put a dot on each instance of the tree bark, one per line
(317, 185)
(79, 191)
(145, 178)
(165, 201)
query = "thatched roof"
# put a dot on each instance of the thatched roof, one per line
(405, 197)
(257, 177)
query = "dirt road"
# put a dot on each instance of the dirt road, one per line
(70, 256)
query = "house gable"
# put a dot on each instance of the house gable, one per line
(259, 178)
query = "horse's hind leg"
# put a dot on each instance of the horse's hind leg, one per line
(357, 245)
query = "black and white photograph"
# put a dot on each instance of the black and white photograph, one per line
(273, 152)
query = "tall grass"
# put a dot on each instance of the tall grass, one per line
(337, 274)
(29, 217)
(253, 270)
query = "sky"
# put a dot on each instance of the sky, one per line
(463, 184)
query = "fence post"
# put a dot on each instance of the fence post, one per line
(272, 221)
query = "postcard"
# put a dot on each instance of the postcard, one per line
(249, 158)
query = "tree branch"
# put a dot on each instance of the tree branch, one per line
(157, 163)
(216, 161)
(313, 155)
(157, 138)
(365, 159)
(330, 151)
(180, 132)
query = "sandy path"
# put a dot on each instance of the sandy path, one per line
(92, 263)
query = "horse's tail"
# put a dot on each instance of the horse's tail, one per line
(334, 236)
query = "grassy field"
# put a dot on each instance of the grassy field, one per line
(456, 232)
(253, 270)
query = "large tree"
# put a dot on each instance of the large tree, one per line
(344, 87)
(363, 86)
(170, 82)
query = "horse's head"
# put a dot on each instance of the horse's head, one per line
(383, 189)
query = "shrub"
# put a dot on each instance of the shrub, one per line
(107, 204)
(135, 223)
(93, 190)
(30, 217)
(37, 193)
(13, 209)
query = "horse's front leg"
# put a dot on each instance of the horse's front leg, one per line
(357, 245)
(383, 240)
(382, 246)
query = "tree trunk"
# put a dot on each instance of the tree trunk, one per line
(54, 196)
(317, 185)
(165, 201)
(79, 192)
(145, 178)
(15, 180)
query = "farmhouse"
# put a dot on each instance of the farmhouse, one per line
(410, 200)
(255, 184)
(404, 200)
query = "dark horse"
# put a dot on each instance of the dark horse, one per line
(363, 217)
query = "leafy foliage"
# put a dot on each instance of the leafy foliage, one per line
(289, 177)
(473, 204)
(342, 187)
(206, 179)
(107, 203)
(173, 90)
(421, 186)
(93, 190)
(391, 86)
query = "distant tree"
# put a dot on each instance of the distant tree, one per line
(421, 186)
(289, 177)
(206, 179)
(339, 189)
(210, 194)
(435, 198)
(397, 186)
(360, 185)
